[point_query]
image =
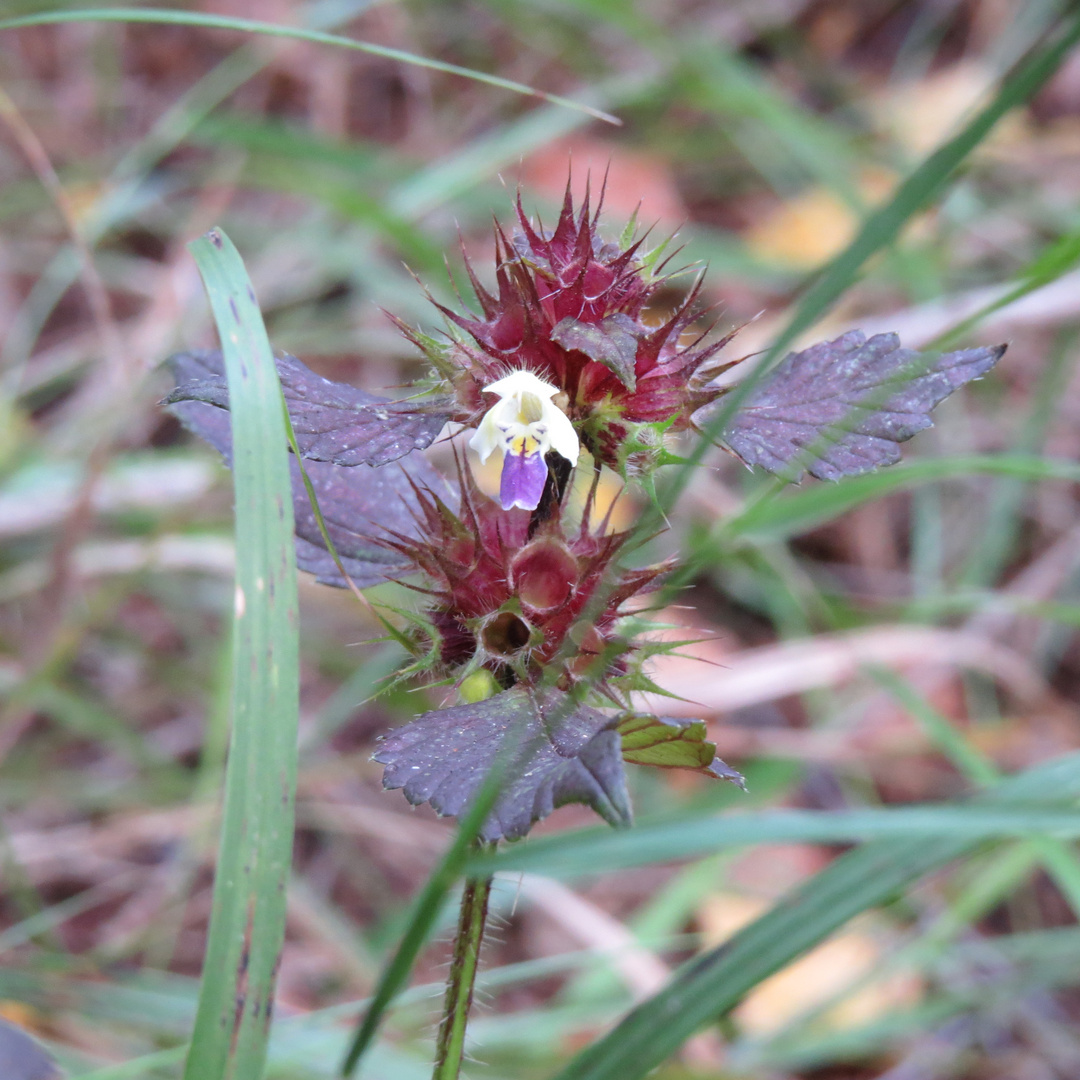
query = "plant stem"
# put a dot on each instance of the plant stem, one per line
(450, 1046)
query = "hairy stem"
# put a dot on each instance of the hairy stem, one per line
(450, 1046)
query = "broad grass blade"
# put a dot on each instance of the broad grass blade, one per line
(247, 925)
(593, 851)
(715, 982)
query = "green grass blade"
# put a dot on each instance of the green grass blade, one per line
(428, 906)
(793, 511)
(715, 982)
(1059, 858)
(929, 179)
(472, 164)
(248, 921)
(1004, 516)
(1053, 262)
(883, 226)
(726, 83)
(169, 17)
(968, 760)
(138, 1068)
(593, 851)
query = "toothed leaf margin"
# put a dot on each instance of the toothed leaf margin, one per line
(332, 421)
(358, 504)
(842, 407)
(612, 343)
(566, 753)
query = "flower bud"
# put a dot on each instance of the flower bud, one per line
(544, 574)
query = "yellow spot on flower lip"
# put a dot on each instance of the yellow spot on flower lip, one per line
(523, 445)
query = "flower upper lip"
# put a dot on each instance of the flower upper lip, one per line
(525, 408)
(525, 423)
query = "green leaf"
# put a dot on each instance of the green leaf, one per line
(247, 923)
(669, 743)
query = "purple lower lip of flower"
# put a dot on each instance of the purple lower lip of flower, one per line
(523, 479)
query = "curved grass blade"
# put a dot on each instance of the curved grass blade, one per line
(247, 925)
(1000, 538)
(588, 852)
(1058, 857)
(1054, 261)
(788, 514)
(929, 180)
(428, 905)
(318, 37)
(714, 983)
(882, 227)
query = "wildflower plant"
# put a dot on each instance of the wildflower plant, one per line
(526, 604)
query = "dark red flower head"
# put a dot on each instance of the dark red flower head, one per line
(572, 309)
(513, 595)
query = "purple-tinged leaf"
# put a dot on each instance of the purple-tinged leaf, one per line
(669, 743)
(841, 407)
(612, 343)
(359, 505)
(332, 421)
(566, 753)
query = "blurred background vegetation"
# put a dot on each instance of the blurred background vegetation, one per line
(902, 644)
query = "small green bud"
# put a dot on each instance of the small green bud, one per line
(478, 686)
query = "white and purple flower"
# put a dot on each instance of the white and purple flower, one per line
(525, 424)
